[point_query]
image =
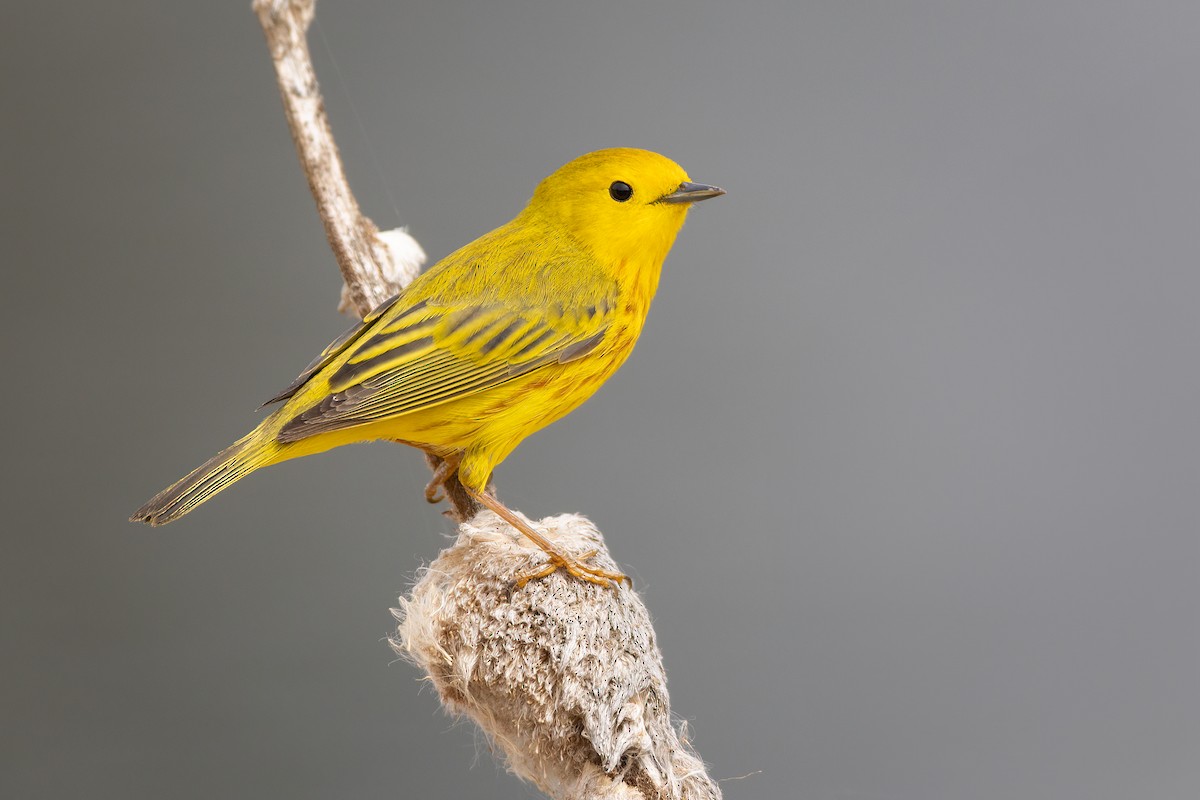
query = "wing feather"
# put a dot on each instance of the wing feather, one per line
(419, 360)
(337, 347)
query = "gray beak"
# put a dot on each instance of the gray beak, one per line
(691, 193)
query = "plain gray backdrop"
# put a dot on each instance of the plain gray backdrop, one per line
(905, 463)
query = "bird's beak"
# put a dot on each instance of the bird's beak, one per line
(691, 193)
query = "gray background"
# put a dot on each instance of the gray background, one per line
(905, 464)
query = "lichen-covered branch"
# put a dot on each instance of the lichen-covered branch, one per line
(563, 675)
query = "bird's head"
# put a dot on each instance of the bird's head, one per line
(624, 205)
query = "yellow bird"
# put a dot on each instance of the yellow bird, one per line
(494, 342)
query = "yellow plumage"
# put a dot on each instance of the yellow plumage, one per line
(496, 341)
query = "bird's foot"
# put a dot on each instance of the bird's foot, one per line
(557, 559)
(435, 490)
(576, 569)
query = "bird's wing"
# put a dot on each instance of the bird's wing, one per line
(335, 348)
(430, 354)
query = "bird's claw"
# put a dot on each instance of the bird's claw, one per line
(435, 490)
(576, 569)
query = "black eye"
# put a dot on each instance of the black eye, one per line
(620, 191)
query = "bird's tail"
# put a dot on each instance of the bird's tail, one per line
(231, 464)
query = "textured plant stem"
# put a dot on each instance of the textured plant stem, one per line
(564, 676)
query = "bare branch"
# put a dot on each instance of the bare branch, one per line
(369, 266)
(374, 266)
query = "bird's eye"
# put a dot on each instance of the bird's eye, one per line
(620, 191)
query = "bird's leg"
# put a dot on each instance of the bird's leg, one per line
(558, 559)
(435, 489)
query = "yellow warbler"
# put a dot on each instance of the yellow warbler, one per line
(496, 341)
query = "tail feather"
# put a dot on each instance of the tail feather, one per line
(223, 469)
